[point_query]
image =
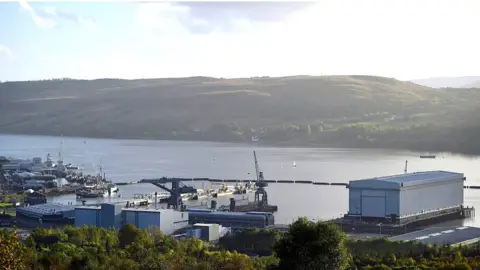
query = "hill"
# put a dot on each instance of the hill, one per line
(473, 85)
(204, 108)
(453, 82)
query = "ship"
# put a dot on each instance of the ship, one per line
(244, 189)
(224, 190)
(428, 156)
(97, 191)
(89, 192)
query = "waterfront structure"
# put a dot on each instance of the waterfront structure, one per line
(234, 220)
(442, 236)
(47, 212)
(106, 215)
(406, 197)
(114, 216)
(167, 220)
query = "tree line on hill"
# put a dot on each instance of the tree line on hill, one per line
(305, 246)
(333, 111)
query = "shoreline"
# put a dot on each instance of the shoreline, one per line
(269, 144)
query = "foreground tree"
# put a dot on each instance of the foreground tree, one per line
(11, 252)
(312, 245)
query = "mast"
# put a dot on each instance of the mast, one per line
(60, 151)
(97, 170)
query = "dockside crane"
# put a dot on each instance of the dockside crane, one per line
(261, 197)
(177, 189)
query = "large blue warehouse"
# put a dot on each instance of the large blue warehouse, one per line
(114, 216)
(406, 196)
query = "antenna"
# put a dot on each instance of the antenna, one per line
(60, 152)
(406, 166)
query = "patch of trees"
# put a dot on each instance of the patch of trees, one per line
(305, 246)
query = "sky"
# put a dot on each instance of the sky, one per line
(403, 39)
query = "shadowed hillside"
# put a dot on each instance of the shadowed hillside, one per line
(202, 108)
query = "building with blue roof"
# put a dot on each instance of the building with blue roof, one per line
(406, 196)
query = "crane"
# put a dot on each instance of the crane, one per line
(261, 184)
(259, 174)
(176, 190)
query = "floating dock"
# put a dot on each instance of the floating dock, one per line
(405, 202)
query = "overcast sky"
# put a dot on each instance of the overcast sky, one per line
(405, 39)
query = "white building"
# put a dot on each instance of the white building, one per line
(406, 195)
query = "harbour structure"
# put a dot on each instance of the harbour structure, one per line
(234, 220)
(106, 215)
(167, 220)
(48, 214)
(114, 216)
(452, 235)
(176, 190)
(406, 197)
(403, 203)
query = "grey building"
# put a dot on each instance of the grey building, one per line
(406, 196)
(442, 236)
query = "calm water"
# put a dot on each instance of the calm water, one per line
(131, 160)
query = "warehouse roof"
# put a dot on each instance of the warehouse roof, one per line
(417, 176)
(407, 179)
(442, 236)
(47, 208)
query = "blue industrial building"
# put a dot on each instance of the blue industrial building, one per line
(106, 215)
(114, 216)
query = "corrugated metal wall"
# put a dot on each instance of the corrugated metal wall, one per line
(148, 219)
(446, 194)
(354, 201)
(392, 202)
(89, 217)
(373, 203)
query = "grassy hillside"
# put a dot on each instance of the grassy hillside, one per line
(209, 108)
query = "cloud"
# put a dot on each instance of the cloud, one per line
(5, 51)
(206, 17)
(50, 16)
